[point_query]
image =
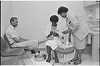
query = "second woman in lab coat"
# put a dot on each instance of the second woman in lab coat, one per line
(79, 30)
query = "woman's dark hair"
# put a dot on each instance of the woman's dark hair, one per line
(62, 9)
(54, 18)
(12, 18)
(53, 33)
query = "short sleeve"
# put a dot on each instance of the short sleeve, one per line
(12, 34)
(74, 21)
(59, 30)
(48, 29)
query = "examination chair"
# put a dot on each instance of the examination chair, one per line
(65, 51)
(10, 56)
(6, 39)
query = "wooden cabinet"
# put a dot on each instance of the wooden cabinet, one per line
(95, 47)
(89, 4)
(92, 11)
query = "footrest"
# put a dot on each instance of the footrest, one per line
(65, 51)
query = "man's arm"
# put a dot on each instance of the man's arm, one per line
(23, 39)
(17, 40)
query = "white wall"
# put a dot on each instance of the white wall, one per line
(33, 16)
(6, 13)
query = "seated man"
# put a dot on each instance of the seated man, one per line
(16, 41)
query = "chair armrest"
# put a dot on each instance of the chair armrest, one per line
(13, 52)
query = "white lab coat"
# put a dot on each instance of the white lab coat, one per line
(78, 25)
(80, 29)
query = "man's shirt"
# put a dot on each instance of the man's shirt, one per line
(11, 33)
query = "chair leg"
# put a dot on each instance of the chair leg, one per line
(21, 60)
(24, 53)
(64, 59)
(17, 60)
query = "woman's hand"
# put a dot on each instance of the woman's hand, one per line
(65, 32)
(50, 38)
(69, 39)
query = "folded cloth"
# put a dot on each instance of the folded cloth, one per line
(54, 43)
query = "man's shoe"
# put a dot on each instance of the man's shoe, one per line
(33, 52)
(44, 56)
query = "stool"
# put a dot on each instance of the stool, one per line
(64, 52)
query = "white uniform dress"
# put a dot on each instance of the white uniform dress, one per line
(80, 29)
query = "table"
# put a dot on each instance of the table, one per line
(95, 46)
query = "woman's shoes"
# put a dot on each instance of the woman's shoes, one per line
(56, 60)
(73, 60)
(48, 60)
(77, 62)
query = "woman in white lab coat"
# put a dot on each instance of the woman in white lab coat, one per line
(79, 30)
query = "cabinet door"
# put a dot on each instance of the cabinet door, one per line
(95, 48)
(87, 3)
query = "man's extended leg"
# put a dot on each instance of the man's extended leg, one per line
(32, 43)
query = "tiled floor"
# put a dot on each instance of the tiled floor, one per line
(86, 60)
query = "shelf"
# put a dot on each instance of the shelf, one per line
(93, 22)
(94, 26)
(92, 5)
